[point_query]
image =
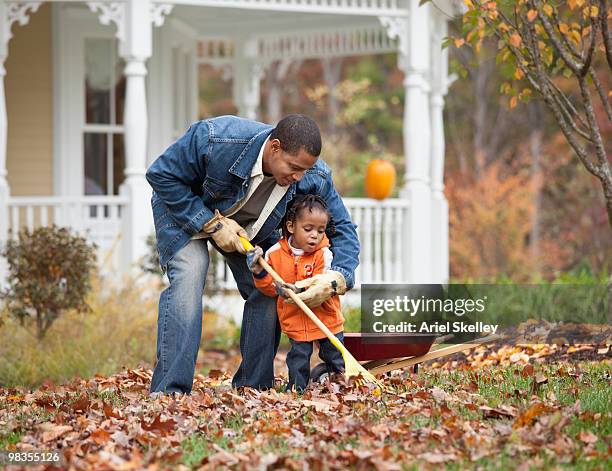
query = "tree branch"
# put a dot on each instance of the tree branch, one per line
(553, 38)
(602, 94)
(594, 127)
(605, 30)
(532, 46)
(574, 113)
(586, 61)
(568, 44)
(553, 106)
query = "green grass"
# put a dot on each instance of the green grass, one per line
(199, 446)
(11, 438)
(493, 387)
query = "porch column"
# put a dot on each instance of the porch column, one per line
(414, 62)
(439, 204)
(247, 78)
(132, 19)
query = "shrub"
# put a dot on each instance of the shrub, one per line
(49, 272)
(150, 262)
(117, 332)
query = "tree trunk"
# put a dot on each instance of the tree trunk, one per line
(480, 116)
(332, 68)
(273, 101)
(535, 148)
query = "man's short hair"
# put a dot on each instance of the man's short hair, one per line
(297, 131)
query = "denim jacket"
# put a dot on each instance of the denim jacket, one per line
(209, 168)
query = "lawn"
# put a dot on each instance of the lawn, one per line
(522, 413)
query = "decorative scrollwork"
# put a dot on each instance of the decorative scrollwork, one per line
(17, 11)
(397, 28)
(159, 11)
(111, 12)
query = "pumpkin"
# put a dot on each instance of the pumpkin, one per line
(379, 179)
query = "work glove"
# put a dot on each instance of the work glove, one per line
(281, 289)
(226, 233)
(252, 259)
(320, 288)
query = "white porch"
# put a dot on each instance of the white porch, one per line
(159, 47)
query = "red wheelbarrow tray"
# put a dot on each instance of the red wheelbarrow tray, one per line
(373, 346)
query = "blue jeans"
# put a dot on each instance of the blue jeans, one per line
(179, 323)
(298, 360)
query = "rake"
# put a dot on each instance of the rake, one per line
(351, 366)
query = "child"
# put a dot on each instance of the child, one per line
(302, 252)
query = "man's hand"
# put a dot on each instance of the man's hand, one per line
(252, 259)
(321, 287)
(226, 233)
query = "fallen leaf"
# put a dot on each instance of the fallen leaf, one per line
(100, 436)
(528, 371)
(497, 412)
(164, 427)
(527, 417)
(586, 436)
(436, 457)
(52, 431)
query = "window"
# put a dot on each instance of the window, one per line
(104, 158)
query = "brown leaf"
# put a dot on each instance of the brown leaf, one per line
(586, 436)
(439, 394)
(164, 427)
(81, 404)
(320, 405)
(527, 417)
(121, 438)
(497, 412)
(528, 371)
(215, 374)
(109, 411)
(100, 436)
(52, 431)
(539, 380)
(46, 402)
(437, 457)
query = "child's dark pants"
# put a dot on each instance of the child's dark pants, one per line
(298, 360)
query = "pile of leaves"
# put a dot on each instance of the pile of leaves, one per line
(517, 416)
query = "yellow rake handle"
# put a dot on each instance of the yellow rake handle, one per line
(332, 338)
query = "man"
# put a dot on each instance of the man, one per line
(229, 177)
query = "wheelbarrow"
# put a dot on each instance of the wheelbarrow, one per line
(381, 353)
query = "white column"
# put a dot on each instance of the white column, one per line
(133, 20)
(412, 32)
(137, 218)
(247, 78)
(439, 204)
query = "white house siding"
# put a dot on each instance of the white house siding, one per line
(29, 102)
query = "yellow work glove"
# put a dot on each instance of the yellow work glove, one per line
(320, 288)
(226, 233)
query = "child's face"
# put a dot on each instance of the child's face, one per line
(308, 229)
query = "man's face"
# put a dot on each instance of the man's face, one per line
(286, 168)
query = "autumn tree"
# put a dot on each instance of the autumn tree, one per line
(556, 51)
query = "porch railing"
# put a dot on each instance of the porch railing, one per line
(98, 218)
(381, 229)
(381, 226)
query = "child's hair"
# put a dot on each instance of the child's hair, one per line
(309, 202)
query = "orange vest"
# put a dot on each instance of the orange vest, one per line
(292, 268)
